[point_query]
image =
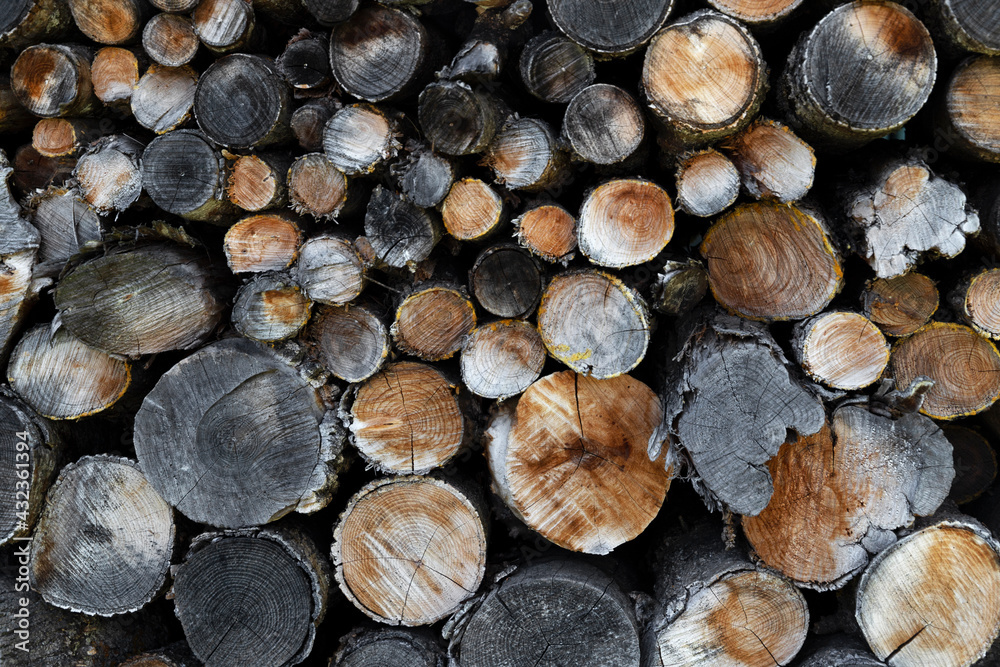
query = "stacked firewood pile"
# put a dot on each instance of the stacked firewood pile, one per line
(499, 332)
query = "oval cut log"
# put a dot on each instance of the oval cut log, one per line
(548, 231)
(330, 270)
(614, 30)
(242, 101)
(625, 222)
(29, 453)
(472, 210)
(350, 341)
(316, 186)
(554, 68)
(433, 322)
(841, 349)
(707, 183)
(270, 307)
(604, 125)
(970, 98)
(502, 359)
(506, 281)
(184, 174)
(456, 118)
(976, 301)
(773, 161)
(388, 647)
(900, 305)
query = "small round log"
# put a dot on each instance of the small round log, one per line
(547, 231)
(625, 222)
(66, 223)
(900, 305)
(253, 596)
(380, 53)
(153, 298)
(316, 186)
(170, 40)
(115, 74)
(841, 349)
(407, 418)
(400, 233)
(62, 377)
(426, 178)
(604, 125)
(774, 163)
(109, 173)
(54, 80)
(232, 436)
(885, 69)
(309, 121)
(457, 119)
(554, 68)
(975, 300)
(605, 29)
(27, 22)
(506, 281)
(707, 183)
(105, 538)
(110, 21)
(269, 308)
(258, 182)
(501, 359)
(432, 322)
(970, 98)
(524, 155)
(472, 210)
(593, 323)
(330, 270)
(331, 12)
(569, 460)
(242, 101)
(964, 366)
(772, 262)
(224, 25)
(359, 138)
(305, 63)
(388, 647)
(184, 174)
(704, 78)
(966, 25)
(349, 341)
(409, 550)
(265, 242)
(679, 286)
(975, 463)
(757, 13)
(64, 137)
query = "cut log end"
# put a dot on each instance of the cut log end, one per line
(604, 29)
(901, 305)
(970, 99)
(547, 231)
(625, 222)
(63, 137)
(433, 322)
(115, 74)
(471, 210)
(841, 349)
(457, 119)
(54, 80)
(109, 173)
(400, 233)
(170, 40)
(502, 359)
(269, 308)
(258, 182)
(976, 301)
(242, 101)
(351, 342)
(506, 281)
(330, 270)
(554, 68)
(604, 125)
(774, 162)
(223, 25)
(524, 155)
(755, 12)
(707, 183)
(265, 242)
(359, 138)
(185, 175)
(316, 186)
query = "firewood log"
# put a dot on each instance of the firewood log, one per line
(860, 73)
(969, 26)
(728, 403)
(66, 224)
(495, 32)
(970, 98)
(554, 68)
(176, 6)
(115, 74)
(264, 242)
(934, 596)
(316, 186)
(975, 463)
(594, 323)
(150, 299)
(270, 307)
(409, 550)
(385, 647)
(707, 183)
(309, 121)
(760, 15)
(54, 80)
(501, 359)
(717, 608)
(185, 174)
(331, 12)
(400, 233)
(548, 231)
(109, 173)
(110, 22)
(606, 30)
(457, 119)
(841, 349)
(432, 321)
(842, 651)
(506, 281)
(177, 654)
(531, 617)
(64, 137)
(604, 125)
(772, 262)
(679, 286)
(426, 178)
(975, 301)
(248, 442)
(259, 181)
(170, 40)
(360, 137)
(472, 210)
(829, 512)
(330, 270)
(350, 341)
(524, 155)
(704, 78)
(242, 101)
(625, 222)
(105, 538)
(773, 162)
(62, 377)
(224, 26)
(305, 62)
(33, 171)
(252, 596)
(19, 244)
(29, 22)
(900, 305)
(568, 460)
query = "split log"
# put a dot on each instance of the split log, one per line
(524, 155)
(177, 654)
(67, 225)
(109, 173)
(625, 222)
(472, 210)
(707, 183)
(604, 125)
(305, 62)
(719, 609)
(905, 211)
(232, 436)
(224, 26)
(110, 21)
(934, 596)
(258, 181)
(33, 171)
(349, 341)
(62, 377)
(265, 242)
(970, 98)
(330, 270)
(64, 137)
(964, 366)
(104, 541)
(841, 349)
(862, 72)
(969, 26)
(331, 12)
(594, 323)
(27, 22)
(501, 359)
(270, 307)
(360, 137)
(13, 116)
(900, 305)
(975, 301)
(184, 174)
(19, 243)
(170, 40)
(704, 78)
(316, 186)
(773, 162)
(756, 14)
(253, 596)
(679, 286)
(380, 53)
(532, 617)
(410, 550)
(728, 406)
(457, 119)
(548, 231)
(506, 281)
(426, 178)
(242, 101)
(432, 322)
(406, 419)
(772, 262)
(606, 29)
(388, 647)
(975, 463)
(115, 74)
(839, 494)
(176, 6)
(400, 233)
(568, 460)
(150, 299)
(54, 80)
(309, 121)
(554, 68)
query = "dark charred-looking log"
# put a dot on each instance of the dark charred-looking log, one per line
(258, 182)
(29, 453)
(472, 210)
(604, 125)
(316, 186)
(265, 242)
(967, 25)
(458, 119)
(432, 322)
(224, 25)
(400, 233)
(501, 359)
(495, 32)
(185, 174)
(114, 74)
(27, 22)
(360, 137)
(506, 281)
(841, 349)
(109, 174)
(110, 21)
(611, 30)
(625, 222)
(900, 305)
(707, 183)
(774, 163)
(351, 342)
(389, 647)
(680, 286)
(426, 178)
(242, 101)
(970, 98)
(54, 80)
(309, 121)
(548, 231)
(842, 651)
(331, 12)
(270, 307)
(305, 62)
(554, 68)
(525, 155)
(330, 270)
(170, 40)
